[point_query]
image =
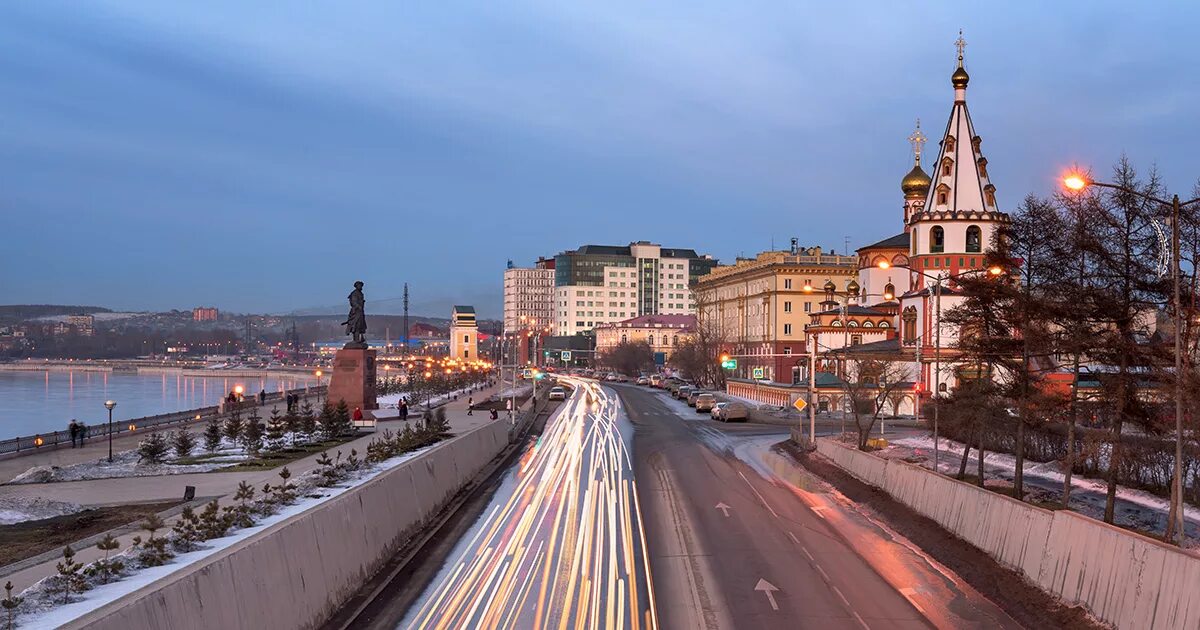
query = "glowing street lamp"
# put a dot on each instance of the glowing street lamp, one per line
(1075, 181)
(109, 404)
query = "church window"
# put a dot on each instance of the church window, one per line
(937, 239)
(855, 340)
(889, 289)
(852, 324)
(868, 324)
(990, 192)
(941, 198)
(947, 167)
(883, 324)
(837, 323)
(974, 239)
(909, 323)
(949, 144)
(982, 167)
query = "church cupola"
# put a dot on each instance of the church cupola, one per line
(915, 184)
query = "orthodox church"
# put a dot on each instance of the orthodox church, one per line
(910, 278)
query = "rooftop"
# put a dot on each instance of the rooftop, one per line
(899, 241)
(686, 322)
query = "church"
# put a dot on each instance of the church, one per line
(891, 310)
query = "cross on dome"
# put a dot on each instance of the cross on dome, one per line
(961, 45)
(918, 140)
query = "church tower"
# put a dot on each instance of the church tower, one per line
(951, 228)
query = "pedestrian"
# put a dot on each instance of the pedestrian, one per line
(262, 397)
(83, 431)
(495, 414)
(73, 430)
(357, 415)
(404, 410)
(470, 404)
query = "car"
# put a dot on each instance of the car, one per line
(656, 381)
(734, 411)
(558, 393)
(682, 391)
(705, 402)
(715, 412)
(642, 380)
(691, 396)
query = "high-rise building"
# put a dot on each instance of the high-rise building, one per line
(598, 284)
(204, 314)
(529, 296)
(84, 325)
(464, 334)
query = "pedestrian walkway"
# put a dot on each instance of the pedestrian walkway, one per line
(208, 485)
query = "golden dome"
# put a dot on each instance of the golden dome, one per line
(916, 181)
(960, 77)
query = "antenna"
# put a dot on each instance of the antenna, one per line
(406, 329)
(846, 241)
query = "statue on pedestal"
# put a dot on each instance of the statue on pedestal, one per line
(356, 321)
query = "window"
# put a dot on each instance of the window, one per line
(675, 340)
(889, 289)
(855, 340)
(787, 283)
(787, 307)
(787, 351)
(947, 167)
(808, 307)
(787, 329)
(883, 324)
(624, 338)
(868, 324)
(937, 239)
(650, 339)
(852, 324)
(466, 338)
(909, 322)
(837, 323)
(974, 239)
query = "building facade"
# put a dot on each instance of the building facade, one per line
(757, 308)
(663, 333)
(464, 334)
(204, 314)
(529, 295)
(598, 284)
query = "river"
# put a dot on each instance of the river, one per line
(40, 401)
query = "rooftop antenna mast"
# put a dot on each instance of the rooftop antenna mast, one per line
(406, 328)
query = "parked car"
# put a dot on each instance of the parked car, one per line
(704, 402)
(734, 411)
(673, 387)
(692, 395)
(642, 380)
(558, 393)
(715, 412)
(656, 380)
(682, 391)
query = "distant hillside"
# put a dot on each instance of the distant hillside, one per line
(21, 312)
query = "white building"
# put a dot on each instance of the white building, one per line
(529, 294)
(598, 284)
(464, 334)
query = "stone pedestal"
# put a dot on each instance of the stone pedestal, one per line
(353, 379)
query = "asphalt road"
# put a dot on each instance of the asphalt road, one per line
(740, 538)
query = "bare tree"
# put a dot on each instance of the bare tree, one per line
(628, 357)
(868, 384)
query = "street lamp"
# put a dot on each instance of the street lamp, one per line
(937, 334)
(1080, 181)
(109, 404)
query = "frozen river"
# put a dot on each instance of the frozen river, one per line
(40, 401)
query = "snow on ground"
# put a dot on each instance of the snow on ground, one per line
(21, 509)
(126, 464)
(106, 593)
(392, 400)
(1046, 479)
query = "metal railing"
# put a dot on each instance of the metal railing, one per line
(61, 439)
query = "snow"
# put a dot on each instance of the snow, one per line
(392, 400)
(103, 594)
(125, 464)
(21, 509)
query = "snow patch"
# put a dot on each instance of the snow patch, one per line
(20, 509)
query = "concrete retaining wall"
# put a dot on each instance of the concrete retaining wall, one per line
(1126, 579)
(296, 573)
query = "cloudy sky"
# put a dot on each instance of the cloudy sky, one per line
(262, 156)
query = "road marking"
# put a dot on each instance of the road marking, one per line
(724, 508)
(769, 589)
(860, 620)
(756, 493)
(794, 539)
(824, 575)
(840, 596)
(908, 594)
(817, 510)
(810, 556)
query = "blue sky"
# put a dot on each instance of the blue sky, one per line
(263, 156)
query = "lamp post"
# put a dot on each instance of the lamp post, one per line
(318, 374)
(109, 404)
(1078, 182)
(937, 334)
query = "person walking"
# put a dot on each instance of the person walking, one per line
(404, 410)
(470, 404)
(262, 397)
(73, 430)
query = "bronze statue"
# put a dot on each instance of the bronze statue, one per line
(356, 321)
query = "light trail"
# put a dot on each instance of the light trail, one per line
(564, 546)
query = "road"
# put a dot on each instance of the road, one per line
(739, 537)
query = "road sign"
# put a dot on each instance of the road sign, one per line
(566, 355)
(759, 373)
(800, 404)
(729, 364)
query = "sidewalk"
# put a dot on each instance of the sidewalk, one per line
(208, 485)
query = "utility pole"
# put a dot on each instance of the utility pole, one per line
(406, 330)
(1180, 375)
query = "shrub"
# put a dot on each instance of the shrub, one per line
(153, 449)
(183, 441)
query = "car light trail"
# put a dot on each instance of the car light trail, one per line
(565, 548)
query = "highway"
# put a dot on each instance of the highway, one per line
(561, 544)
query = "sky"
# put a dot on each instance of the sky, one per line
(261, 157)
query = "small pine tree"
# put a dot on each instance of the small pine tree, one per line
(276, 432)
(109, 567)
(154, 550)
(353, 462)
(242, 511)
(187, 531)
(285, 492)
(252, 434)
(10, 604)
(328, 423)
(212, 435)
(291, 425)
(342, 423)
(69, 578)
(328, 470)
(153, 449)
(214, 524)
(234, 425)
(183, 442)
(308, 421)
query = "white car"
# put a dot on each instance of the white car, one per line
(558, 393)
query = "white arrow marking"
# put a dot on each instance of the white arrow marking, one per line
(769, 589)
(817, 510)
(724, 508)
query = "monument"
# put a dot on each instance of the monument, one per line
(353, 378)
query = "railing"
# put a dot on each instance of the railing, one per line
(57, 439)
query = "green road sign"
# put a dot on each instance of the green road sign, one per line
(729, 364)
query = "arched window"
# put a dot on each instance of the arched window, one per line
(949, 144)
(884, 324)
(675, 340)
(947, 166)
(937, 239)
(852, 324)
(650, 339)
(889, 289)
(624, 338)
(909, 322)
(837, 323)
(943, 194)
(868, 324)
(974, 240)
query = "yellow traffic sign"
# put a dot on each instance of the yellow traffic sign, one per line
(800, 404)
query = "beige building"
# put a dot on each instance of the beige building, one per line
(529, 293)
(464, 334)
(759, 307)
(663, 332)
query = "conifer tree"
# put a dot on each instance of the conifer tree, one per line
(69, 578)
(308, 421)
(183, 442)
(154, 550)
(153, 449)
(212, 435)
(344, 426)
(328, 423)
(10, 603)
(108, 566)
(234, 425)
(252, 434)
(275, 434)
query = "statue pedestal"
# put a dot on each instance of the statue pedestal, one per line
(353, 379)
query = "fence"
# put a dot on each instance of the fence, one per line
(55, 439)
(1125, 579)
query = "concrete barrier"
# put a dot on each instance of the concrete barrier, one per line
(296, 573)
(1123, 578)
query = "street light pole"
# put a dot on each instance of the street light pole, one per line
(109, 404)
(937, 367)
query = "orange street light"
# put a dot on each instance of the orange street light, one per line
(1075, 181)
(238, 389)
(995, 270)
(318, 373)
(808, 288)
(889, 296)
